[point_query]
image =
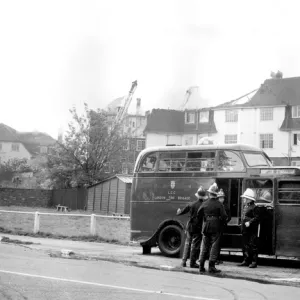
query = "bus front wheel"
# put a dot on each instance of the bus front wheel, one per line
(169, 240)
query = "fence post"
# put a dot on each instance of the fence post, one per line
(36, 227)
(93, 224)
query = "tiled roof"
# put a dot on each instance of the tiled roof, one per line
(290, 123)
(165, 120)
(123, 177)
(31, 140)
(273, 92)
(208, 127)
(8, 134)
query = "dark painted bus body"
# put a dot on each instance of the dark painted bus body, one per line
(166, 178)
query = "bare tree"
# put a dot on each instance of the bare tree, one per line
(92, 143)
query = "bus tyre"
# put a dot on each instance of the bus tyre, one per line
(169, 240)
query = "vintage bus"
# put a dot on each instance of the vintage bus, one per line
(166, 178)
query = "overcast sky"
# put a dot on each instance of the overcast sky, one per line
(57, 54)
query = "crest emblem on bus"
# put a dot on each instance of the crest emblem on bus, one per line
(172, 184)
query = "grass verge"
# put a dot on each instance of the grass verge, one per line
(58, 226)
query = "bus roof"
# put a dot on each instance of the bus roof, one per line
(237, 147)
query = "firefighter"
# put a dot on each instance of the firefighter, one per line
(250, 229)
(221, 198)
(213, 214)
(193, 229)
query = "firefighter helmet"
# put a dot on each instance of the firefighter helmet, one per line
(249, 194)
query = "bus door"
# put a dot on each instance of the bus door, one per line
(232, 234)
(287, 218)
(264, 195)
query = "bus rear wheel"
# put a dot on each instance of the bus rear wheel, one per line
(169, 240)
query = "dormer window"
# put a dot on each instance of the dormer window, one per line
(203, 116)
(189, 118)
(296, 111)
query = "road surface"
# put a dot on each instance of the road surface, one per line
(29, 274)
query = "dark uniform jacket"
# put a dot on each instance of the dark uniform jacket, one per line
(193, 226)
(250, 214)
(213, 214)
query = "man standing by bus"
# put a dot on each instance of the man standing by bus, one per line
(250, 225)
(193, 229)
(213, 214)
(221, 198)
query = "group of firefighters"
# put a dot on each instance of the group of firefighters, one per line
(204, 230)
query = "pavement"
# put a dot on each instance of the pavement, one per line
(269, 271)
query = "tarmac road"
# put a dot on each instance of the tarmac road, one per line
(30, 274)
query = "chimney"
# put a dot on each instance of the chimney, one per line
(138, 106)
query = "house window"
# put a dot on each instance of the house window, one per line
(296, 163)
(231, 116)
(266, 114)
(15, 147)
(296, 139)
(266, 140)
(296, 111)
(44, 149)
(230, 138)
(140, 145)
(189, 117)
(203, 116)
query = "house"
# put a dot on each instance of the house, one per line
(178, 127)
(268, 118)
(14, 144)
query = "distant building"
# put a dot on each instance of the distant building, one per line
(133, 127)
(14, 144)
(175, 127)
(268, 118)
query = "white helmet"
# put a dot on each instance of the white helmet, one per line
(249, 194)
(213, 190)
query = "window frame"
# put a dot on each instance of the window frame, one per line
(231, 116)
(244, 169)
(188, 114)
(266, 114)
(270, 142)
(232, 136)
(206, 112)
(295, 111)
(140, 148)
(15, 147)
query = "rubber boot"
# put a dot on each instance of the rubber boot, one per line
(254, 261)
(201, 267)
(193, 258)
(212, 268)
(243, 264)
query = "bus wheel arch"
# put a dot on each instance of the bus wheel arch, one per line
(169, 238)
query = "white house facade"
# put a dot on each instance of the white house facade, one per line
(269, 120)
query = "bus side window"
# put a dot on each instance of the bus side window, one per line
(230, 162)
(200, 161)
(148, 163)
(171, 162)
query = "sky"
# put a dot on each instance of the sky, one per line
(55, 55)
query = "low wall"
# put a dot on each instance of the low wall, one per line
(25, 197)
